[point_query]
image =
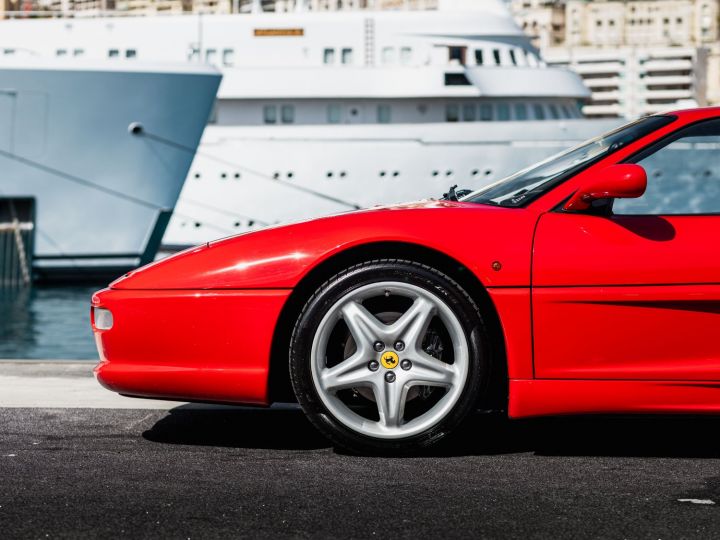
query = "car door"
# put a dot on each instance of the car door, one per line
(635, 293)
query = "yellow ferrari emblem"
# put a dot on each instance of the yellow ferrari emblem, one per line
(390, 360)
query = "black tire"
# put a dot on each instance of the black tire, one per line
(330, 292)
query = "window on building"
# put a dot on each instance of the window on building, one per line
(334, 113)
(405, 55)
(130, 53)
(287, 114)
(521, 111)
(346, 56)
(270, 114)
(329, 56)
(452, 112)
(496, 56)
(228, 57)
(388, 55)
(486, 112)
(383, 114)
(469, 112)
(539, 111)
(503, 110)
(479, 57)
(61, 52)
(210, 56)
(113, 53)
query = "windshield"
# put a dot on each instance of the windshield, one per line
(530, 183)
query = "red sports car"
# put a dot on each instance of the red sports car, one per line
(589, 283)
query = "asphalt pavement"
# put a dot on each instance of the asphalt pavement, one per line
(245, 473)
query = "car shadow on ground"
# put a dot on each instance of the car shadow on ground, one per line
(287, 428)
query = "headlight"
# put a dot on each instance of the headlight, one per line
(103, 318)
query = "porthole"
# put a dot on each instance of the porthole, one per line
(276, 175)
(223, 175)
(290, 174)
(448, 173)
(250, 223)
(329, 174)
(396, 174)
(435, 173)
(475, 172)
(343, 174)
(487, 172)
(382, 173)
(236, 224)
(198, 224)
(197, 175)
(237, 175)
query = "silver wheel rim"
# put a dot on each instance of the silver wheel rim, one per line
(355, 372)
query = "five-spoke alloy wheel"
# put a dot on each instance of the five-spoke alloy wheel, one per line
(388, 356)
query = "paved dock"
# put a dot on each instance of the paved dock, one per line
(145, 469)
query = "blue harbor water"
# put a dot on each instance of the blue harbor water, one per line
(47, 323)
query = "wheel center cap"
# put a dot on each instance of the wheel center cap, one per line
(389, 360)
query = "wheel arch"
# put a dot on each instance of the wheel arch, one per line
(279, 387)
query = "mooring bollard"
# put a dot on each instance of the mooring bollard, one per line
(17, 228)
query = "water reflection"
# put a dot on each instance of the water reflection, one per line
(46, 323)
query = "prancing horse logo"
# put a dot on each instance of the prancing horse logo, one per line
(390, 360)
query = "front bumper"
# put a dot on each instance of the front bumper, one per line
(188, 345)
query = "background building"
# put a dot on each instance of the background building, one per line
(637, 57)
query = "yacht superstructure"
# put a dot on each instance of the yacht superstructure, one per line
(320, 112)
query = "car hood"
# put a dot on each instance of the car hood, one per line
(278, 257)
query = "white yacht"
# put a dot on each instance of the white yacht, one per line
(103, 149)
(320, 112)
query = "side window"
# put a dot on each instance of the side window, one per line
(683, 175)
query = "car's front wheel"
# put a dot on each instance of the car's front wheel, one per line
(388, 356)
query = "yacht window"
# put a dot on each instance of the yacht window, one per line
(383, 114)
(388, 55)
(347, 56)
(456, 55)
(287, 114)
(452, 113)
(113, 53)
(130, 53)
(486, 112)
(503, 112)
(539, 111)
(61, 52)
(210, 56)
(270, 114)
(9, 51)
(479, 57)
(333, 114)
(329, 56)
(512, 58)
(228, 57)
(469, 112)
(456, 79)
(405, 55)
(193, 54)
(521, 111)
(553, 111)
(78, 52)
(496, 56)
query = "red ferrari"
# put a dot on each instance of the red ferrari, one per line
(589, 283)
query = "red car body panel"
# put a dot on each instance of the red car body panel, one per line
(598, 314)
(210, 345)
